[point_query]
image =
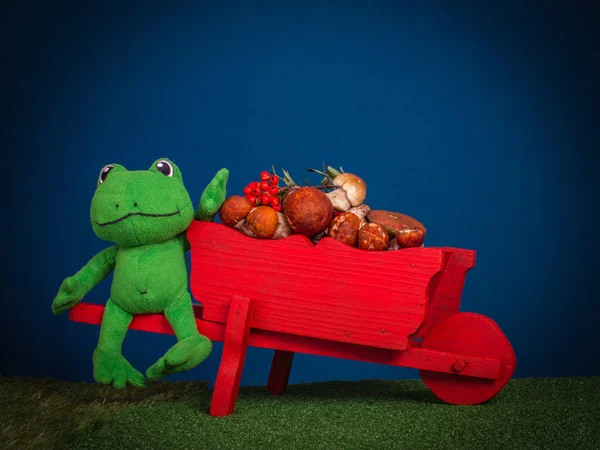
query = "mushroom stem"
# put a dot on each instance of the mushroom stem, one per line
(393, 245)
(361, 211)
(283, 227)
(242, 226)
(340, 200)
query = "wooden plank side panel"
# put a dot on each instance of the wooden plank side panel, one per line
(445, 299)
(327, 291)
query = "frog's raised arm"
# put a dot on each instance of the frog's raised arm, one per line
(213, 197)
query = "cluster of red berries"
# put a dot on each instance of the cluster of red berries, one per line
(264, 192)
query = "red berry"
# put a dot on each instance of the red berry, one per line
(264, 175)
(264, 186)
(274, 180)
(273, 190)
(251, 199)
(276, 207)
(256, 191)
(253, 184)
(265, 199)
(247, 190)
(275, 201)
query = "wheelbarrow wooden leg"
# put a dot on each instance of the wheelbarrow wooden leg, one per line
(280, 372)
(235, 344)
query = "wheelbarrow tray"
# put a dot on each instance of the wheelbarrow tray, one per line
(330, 291)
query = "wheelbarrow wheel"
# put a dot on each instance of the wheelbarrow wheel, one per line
(475, 335)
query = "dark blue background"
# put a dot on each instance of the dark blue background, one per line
(480, 120)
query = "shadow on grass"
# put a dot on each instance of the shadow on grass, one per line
(44, 413)
(362, 390)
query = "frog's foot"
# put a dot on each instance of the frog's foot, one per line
(113, 368)
(184, 355)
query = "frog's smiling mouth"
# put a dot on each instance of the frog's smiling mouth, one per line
(137, 214)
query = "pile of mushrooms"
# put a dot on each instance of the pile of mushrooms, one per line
(359, 226)
(340, 214)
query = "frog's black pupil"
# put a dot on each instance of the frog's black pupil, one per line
(164, 168)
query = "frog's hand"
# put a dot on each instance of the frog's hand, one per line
(213, 197)
(70, 293)
(73, 289)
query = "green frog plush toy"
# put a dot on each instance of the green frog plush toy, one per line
(145, 214)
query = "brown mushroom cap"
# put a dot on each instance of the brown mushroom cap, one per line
(262, 222)
(234, 209)
(287, 195)
(410, 237)
(394, 222)
(373, 237)
(308, 210)
(344, 228)
(355, 187)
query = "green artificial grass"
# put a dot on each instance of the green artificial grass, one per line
(529, 413)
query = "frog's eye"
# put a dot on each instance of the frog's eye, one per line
(165, 168)
(104, 173)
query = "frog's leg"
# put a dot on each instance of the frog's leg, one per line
(191, 349)
(110, 367)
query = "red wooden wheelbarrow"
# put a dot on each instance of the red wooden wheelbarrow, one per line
(394, 307)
